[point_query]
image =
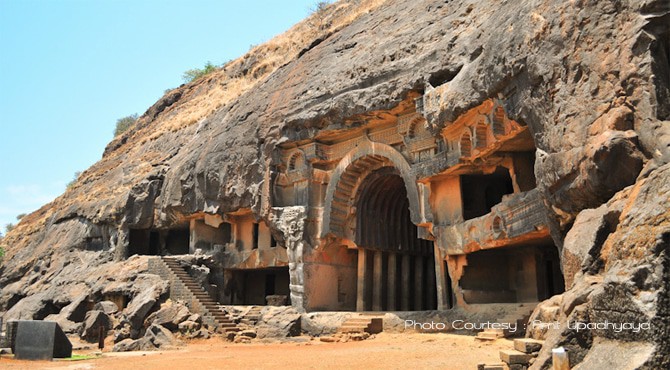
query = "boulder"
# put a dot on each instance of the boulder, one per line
(188, 326)
(195, 318)
(34, 307)
(69, 327)
(122, 332)
(202, 333)
(107, 307)
(159, 337)
(75, 311)
(139, 307)
(169, 316)
(278, 322)
(316, 324)
(128, 344)
(92, 324)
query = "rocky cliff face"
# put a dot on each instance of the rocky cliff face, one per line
(590, 79)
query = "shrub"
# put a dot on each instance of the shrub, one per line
(74, 179)
(9, 227)
(196, 73)
(20, 216)
(123, 124)
(320, 7)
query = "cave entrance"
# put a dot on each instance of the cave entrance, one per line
(396, 269)
(154, 242)
(266, 286)
(177, 241)
(144, 242)
(529, 273)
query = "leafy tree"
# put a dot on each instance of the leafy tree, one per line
(20, 216)
(123, 124)
(9, 227)
(196, 73)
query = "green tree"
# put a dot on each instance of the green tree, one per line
(196, 73)
(20, 216)
(123, 124)
(9, 227)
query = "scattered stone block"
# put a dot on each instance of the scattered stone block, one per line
(328, 339)
(517, 367)
(511, 356)
(491, 367)
(248, 333)
(528, 345)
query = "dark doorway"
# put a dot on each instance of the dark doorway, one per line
(481, 192)
(177, 241)
(252, 286)
(269, 284)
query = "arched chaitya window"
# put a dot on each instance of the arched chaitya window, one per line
(466, 144)
(297, 161)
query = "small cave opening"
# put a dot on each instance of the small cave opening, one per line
(262, 286)
(443, 76)
(514, 274)
(143, 242)
(481, 192)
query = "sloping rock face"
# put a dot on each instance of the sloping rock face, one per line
(590, 79)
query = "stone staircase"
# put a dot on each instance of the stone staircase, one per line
(252, 316)
(362, 324)
(183, 287)
(520, 358)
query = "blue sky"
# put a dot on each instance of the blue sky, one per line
(69, 69)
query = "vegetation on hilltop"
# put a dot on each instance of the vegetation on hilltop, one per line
(197, 73)
(123, 124)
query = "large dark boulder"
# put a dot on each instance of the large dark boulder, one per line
(94, 322)
(169, 316)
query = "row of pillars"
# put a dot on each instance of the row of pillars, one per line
(379, 278)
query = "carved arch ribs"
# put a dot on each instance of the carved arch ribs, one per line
(339, 206)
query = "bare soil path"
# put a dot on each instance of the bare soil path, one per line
(385, 351)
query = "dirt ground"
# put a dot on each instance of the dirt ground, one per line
(388, 351)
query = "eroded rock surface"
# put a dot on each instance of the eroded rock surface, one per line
(591, 80)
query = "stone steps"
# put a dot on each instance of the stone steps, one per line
(360, 324)
(209, 306)
(252, 316)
